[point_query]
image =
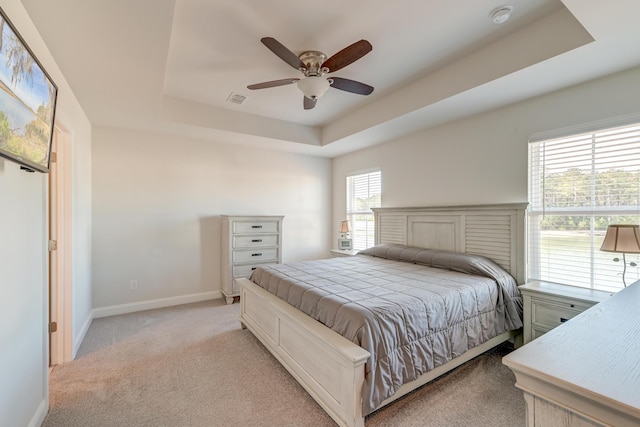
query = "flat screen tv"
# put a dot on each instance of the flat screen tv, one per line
(27, 102)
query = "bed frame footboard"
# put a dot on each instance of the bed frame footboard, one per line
(327, 365)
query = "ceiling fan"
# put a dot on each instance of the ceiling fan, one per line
(314, 65)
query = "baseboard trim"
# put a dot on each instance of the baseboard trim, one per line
(40, 414)
(156, 303)
(77, 340)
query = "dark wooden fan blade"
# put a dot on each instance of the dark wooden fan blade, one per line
(348, 55)
(273, 83)
(283, 53)
(309, 103)
(351, 86)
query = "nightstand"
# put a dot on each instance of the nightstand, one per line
(335, 253)
(547, 305)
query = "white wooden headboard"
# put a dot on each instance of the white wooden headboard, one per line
(494, 231)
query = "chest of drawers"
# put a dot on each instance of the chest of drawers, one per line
(248, 242)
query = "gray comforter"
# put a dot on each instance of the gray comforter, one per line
(412, 309)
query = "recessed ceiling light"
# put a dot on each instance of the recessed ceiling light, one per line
(501, 14)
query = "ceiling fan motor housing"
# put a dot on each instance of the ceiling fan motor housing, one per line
(313, 60)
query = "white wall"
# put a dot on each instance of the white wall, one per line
(23, 254)
(23, 306)
(481, 159)
(156, 206)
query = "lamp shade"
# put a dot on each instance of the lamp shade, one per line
(623, 238)
(313, 87)
(344, 227)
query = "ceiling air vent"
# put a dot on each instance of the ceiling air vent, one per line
(236, 98)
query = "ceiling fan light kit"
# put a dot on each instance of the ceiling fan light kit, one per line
(314, 65)
(313, 87)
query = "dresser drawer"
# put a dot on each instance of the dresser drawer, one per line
(255, 255)
(245, 270)
(551, 315)
(254, 241)
(242, 227)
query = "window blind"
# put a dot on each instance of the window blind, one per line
(364, 191)
(578, 185)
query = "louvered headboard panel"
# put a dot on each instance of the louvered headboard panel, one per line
(494, 231)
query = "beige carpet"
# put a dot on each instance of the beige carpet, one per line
(192, 366)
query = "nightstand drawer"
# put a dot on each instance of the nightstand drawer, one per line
(256, 255)
(551, 315)
(537, 332)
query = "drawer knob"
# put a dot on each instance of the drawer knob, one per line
(256, 254)
(256, 226)
(562, 320)
(256, 240)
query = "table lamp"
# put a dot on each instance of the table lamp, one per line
(344, 242)
(622, 238)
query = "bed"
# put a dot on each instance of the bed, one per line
(342, 376)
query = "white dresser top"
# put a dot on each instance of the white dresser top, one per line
(595, 356)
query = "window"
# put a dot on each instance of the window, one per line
(578, 185)
(363, 193)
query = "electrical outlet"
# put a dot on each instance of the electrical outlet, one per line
(134, 284)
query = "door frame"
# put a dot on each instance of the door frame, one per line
(60, 277)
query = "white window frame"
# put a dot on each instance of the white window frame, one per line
(364, 185)
(570, 254)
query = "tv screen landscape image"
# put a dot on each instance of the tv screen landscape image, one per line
(27, 102)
